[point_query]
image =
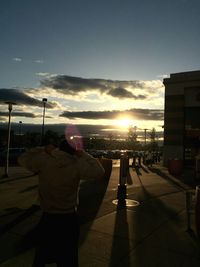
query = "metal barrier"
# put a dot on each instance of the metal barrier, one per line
(193, 208)
(197, 210)
(190, 202)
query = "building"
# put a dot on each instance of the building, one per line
(182, 117)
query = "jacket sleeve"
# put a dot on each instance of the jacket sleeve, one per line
(90, 168)
(32, 159)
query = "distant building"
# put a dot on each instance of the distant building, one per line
(182, 117)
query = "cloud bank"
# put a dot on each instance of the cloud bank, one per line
(19, 97)
(119, 89)
(77, 98)
(19, 114)
(140, 114)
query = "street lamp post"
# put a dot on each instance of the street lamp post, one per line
(145, 137)
(10, 104)
(20, 133)
(44, 100)
(20, 128)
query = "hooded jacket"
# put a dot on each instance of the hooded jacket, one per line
(59, 176)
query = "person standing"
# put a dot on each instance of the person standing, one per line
(60, 171)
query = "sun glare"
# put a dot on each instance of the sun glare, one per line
(124, 123)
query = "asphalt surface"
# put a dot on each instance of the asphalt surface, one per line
(153, 233)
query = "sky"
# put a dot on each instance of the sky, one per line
(97, 62)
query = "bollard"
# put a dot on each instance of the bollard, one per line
(123, 173)
(122, 200)
(124, 169)
(197, 210)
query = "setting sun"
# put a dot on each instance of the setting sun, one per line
(124, 123)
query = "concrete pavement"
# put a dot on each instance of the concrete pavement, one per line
(154, 233)
(14, 172)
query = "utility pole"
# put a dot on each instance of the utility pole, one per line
(44, 100)
(10, 104)
(145, 136)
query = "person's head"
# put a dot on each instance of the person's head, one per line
(66, 147)
(49, 141)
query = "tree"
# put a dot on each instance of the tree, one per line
(132, 137)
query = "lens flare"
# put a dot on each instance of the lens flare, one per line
(73, 137)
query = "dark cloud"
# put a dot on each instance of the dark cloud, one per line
(19, 97)
(4, 115)
(89, 114)
(123, 93)
(73, 85)
(20, 114)
(140, 114)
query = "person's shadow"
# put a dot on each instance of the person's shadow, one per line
(91, 196)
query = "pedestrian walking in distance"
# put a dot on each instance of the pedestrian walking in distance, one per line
(60, 171)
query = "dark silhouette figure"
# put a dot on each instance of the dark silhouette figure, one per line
(60, 171)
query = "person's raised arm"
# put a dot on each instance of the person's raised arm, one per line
(90, 167)
(32, 159)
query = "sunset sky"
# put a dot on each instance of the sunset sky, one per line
(97, 62)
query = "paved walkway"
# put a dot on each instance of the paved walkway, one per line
(154, 233)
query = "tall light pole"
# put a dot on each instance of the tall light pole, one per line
(20, 133)
(145, 137)
(20, 127)
(10, 104)
(44, 100)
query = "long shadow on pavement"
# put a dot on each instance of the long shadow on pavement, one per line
(30, 188)
(155, 214)
(144, 169)
(121, 221)
(21, 217)
(167, 177)
(12, 243)
(91, 196)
